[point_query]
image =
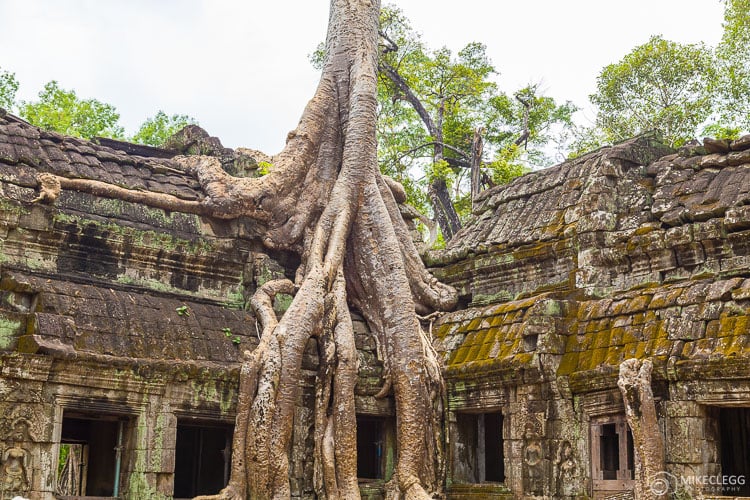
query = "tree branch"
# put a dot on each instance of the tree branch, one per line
(404, 87)
(446, 146)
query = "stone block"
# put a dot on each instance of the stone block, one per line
(737, 218)
(688, 326)
(685, 440)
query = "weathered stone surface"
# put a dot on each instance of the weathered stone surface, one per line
(650, 260)
(118, 309)
(115, 310)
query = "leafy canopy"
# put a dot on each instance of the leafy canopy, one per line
(156, 130)
(8, 89)
(64, 112)
(660, 85)
(459, 96)
(680, 90)
(732, 86)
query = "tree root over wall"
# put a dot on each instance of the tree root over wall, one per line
(326, 200)
(640, 410)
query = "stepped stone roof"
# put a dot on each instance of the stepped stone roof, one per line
(103, 278)
(633, 250)
(26, 150)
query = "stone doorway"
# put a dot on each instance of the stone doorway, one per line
(202, 459)
(371, 442)
(90, 456)
(479, 450)
(734, 424)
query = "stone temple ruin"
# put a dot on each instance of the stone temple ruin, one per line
(121, 327)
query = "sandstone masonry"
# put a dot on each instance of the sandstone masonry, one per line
(122, 326)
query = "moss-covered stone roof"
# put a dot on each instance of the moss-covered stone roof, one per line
(684, 328)
(94, 276)
(648, 249)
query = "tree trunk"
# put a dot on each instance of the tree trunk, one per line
(326, 200)
(440, 199)
(640, 409)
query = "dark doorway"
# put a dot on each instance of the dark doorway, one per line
(202, 459)
(735, 449)
(88, 462)
(481, 451)
(609, 451)
(494, 459)
(370, 447)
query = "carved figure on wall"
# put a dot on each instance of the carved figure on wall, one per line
(533, 455)
(15, 461)
(20, 431)
(18, 424)
(14, 479)
(567, 471)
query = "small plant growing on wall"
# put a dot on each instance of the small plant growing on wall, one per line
(236, 339)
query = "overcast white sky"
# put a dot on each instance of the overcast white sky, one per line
(240, 67)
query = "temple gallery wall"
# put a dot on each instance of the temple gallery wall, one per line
(122, 326)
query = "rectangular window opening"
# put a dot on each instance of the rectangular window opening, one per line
(609, 451)
(494, 458)
(89, 462)
(734, 424)
(478, 451)
(612, 454)
(202, 458)
(370, 448)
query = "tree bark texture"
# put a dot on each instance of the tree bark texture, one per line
(640, 410)
(326, 200)
(442, 205)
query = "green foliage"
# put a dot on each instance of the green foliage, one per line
(156, 130)
(440, 170)
(236, 340)
(63, 111)
(182, 311)
(459, 96)
(507, 165)
(720, 131)
(63, 457)
(585, 140)
(264, 167)
(732, 86)
(660, 85)
(8, 89)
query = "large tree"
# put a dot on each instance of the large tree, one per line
(732, 86)
(660, 85)
(435, 107)
(63, 111)
(326, 200)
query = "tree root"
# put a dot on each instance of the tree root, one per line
(640, 409)
(325, 199)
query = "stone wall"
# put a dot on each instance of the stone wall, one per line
(131, 314)
(116, 310)
(632, 251)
